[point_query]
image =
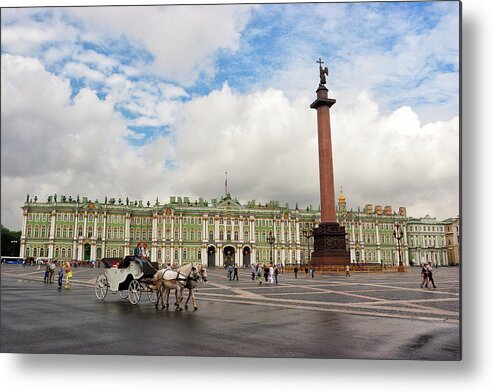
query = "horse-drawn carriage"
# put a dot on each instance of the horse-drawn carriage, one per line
(129, 278)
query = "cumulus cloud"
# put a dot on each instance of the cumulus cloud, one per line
(228, 88)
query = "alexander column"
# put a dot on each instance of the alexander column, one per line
(329, 237)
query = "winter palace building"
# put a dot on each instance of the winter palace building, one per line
(219, 232)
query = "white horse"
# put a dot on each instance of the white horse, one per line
(168, 280)
(192, 283)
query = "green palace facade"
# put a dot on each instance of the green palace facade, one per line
(218, 232)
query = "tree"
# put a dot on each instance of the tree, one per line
(11, 241)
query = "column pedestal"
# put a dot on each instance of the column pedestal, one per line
(329, 240)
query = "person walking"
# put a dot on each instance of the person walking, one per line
(52, 270)
(306, 271)
(271, 273)
(312, 270)
(424, 275)
(60, 277)
(259, 274)
(296, 272)
(68, 271)
(230, 271)
(430, 275)
(276, 272)
(347, 271)
(47, 272)
(266, 273)
(235, 272)
(254, 271)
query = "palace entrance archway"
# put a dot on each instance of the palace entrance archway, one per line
(211, 256)
(87, 252)
(229, 256)
(246, 256)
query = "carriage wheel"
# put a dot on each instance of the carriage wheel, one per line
(101, 286)
(134, 292)
(123, 294)
(152, 295)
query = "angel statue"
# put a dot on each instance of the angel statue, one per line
(323, 71)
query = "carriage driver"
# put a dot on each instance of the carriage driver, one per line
(138, 254)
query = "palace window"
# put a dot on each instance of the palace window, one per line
(176, 254)
(228, 235)
(192, 235)
(64, 254)
(57, 252)
(90, 218)
(245, 236)
(211, 236)
(184, 254)
(58, 217)
(81, 217)
(176, 234)
(43, 231)
(168, 234)
(200, 221)
(159, 254)
(64, 232)
(184, 235)
(192, 221)
(36, 231)
(228, 221)
(211, 221)
(89, 231)
(236, 236)
(221, 221)
(199, 235)
(221, 235)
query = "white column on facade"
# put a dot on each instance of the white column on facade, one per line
(93, 251)
(204, 256)
(154, 236)
(239, 256)
(297, 233)
(180, 254)
(254, 255)
(241, 230)
(220, 251)
(205, 228)
(84, 232)
(283, 232)
(379, 255)
(180, 228)
(127, 233)
(216, 228)
(172, 235)
(52, 225)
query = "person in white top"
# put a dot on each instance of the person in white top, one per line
(271, 274)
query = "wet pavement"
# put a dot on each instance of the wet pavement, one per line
(376, 315)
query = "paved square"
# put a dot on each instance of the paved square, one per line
(382, 315)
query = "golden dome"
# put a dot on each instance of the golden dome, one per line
(342, 198)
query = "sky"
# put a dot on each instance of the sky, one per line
(160, 101)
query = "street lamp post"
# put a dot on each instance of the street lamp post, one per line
(271, 240)
(398, 234)
(308, 234)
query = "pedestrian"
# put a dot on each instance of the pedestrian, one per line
(347, 271)
(313, 272)
(276, 272)
(271, 273)
(52, 270)
(266, 273)
(296, 272)
(430, 275)
(424, 275)
(259, 274)
(68, 271)
(306, 271)
(60, 277)
(230, 271)
(235, 272)
(254, 271)
(47, 272)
